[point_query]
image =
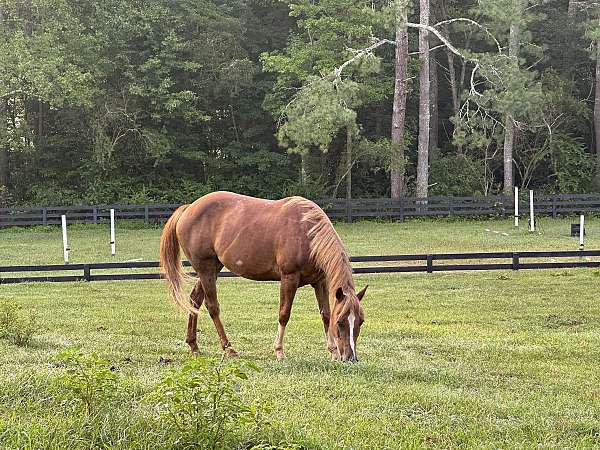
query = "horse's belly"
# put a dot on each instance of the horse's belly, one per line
(254, 273)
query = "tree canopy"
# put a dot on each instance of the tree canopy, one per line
(166, 100)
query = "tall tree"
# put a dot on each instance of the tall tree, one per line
(4, 168)
(424, 104)
(509, 124)
(397, 171)
(597, 102)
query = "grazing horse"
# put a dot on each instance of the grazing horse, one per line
(289, 240)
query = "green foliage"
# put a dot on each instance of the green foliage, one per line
(17, 328)
(5, 197)
(317, 113)
(573, 165)
(164, 100)
(89, 378)
(202, 401)
(456, 175)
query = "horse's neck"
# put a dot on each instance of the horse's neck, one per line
(340, 275)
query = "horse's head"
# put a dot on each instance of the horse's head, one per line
(344, 325)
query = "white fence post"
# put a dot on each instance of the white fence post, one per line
(531, 216)
(66, 248)
(581, 229)
(516, 206)
(113, 249)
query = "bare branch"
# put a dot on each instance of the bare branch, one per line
(472, 22)
(361, 53)
(430, 50)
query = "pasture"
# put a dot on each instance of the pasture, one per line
(447, 360)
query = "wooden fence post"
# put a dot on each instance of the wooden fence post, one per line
(45, 216)
(146, 214)
(401, 201)
(515, 261)
(87, 275)
(554, 212)
(95, 214)
(450, 206)
(429, 263)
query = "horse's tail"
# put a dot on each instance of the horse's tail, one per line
(170, 262)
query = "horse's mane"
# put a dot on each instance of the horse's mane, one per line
(326, 249)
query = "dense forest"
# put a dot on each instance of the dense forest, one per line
(165, 100)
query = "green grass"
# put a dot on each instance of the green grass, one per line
(90, 243)
(457, 360)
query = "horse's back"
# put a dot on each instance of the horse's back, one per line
(253, 237)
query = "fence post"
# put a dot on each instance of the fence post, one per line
(450, 206)
(146, 214)
(429, 263)
(515, 261)
(45, 216)
(87, 276)
(95, 214)
(554, 206)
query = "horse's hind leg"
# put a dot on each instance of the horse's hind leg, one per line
(208, 276)
(196, 298)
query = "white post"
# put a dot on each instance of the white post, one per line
(113, 248)
(516, 206)
(581, 222)
(531, 217)
(66, 248)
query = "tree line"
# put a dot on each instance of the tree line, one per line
(165, 100)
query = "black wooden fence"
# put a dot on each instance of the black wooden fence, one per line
(500, 261)
(336, 209)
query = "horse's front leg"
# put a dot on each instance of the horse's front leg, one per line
(323, 301)
(287, 291)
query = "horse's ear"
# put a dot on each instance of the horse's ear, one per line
(361, 294)
(339, 294)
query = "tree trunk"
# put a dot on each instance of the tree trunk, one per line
(4, 160)
(399, 106)
(597, 110)
(424, 103)
(453, 83)
(509, 129)
(434, 128)
(303, 167)
(348, 162)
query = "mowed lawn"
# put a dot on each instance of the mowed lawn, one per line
(91, 243)
(447, 360)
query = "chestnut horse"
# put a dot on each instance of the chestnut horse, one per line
(289, 240)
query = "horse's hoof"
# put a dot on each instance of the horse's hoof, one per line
(231, 353)
(280, 356)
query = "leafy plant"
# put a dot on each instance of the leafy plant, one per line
(14, 326)
(202, 401)
(89, 378)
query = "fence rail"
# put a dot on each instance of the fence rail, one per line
(336, 209)
(514, 262)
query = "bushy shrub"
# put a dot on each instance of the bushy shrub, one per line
(89, 378)
(201, 401)
(456, 175)
(15, 326)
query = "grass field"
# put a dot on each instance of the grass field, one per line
(460, 360)
(90, 243)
